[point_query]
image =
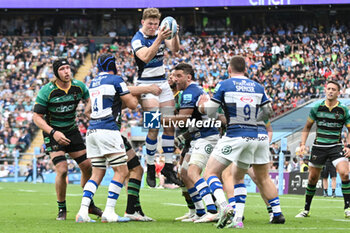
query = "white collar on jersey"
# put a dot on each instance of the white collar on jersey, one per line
(103, 73)
(239, 76)
(145, 36)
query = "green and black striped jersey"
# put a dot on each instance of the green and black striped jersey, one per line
(59, 106)
(329, 122)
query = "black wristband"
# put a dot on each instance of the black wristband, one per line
(52, 132)
(348, 146)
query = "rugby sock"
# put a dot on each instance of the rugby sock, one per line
(151, 148)
(325, 191)
(204, 191)
(62, 206)
(232, 202)
(333, 192)
(269, 209)
(113, 194)
(216, 188)
(188, 199)
(168, 148)
(240, 197)
(88, 193)
(345, 188)
(310, 192)
(275, 205)
(197, 201)
(133, 203)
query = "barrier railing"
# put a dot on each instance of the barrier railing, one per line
(16, 158)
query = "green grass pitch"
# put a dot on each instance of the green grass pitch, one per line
(26, 207)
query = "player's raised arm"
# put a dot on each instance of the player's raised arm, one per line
(147, 54)
(174, 43)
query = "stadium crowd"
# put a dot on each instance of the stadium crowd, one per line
(25, 66)
(293, 63)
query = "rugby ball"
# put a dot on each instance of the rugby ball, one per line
(169, 23)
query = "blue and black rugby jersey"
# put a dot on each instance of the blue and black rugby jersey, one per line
(240, 98)
(105, 91)
(154, 69)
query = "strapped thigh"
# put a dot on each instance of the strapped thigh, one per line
(58, 159)
(134, 162)
(99, 162)
(117, 160)
(81, 159)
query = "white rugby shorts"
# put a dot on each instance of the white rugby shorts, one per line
(201, 149)
(100, 142)
(243, 151)
(165, 95)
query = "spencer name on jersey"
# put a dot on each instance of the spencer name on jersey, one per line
(240, 98)
(189, 99)
(105, 91)
(59, 106)
(154, 69)
(329, 123)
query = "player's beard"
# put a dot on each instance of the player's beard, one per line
(173, 86)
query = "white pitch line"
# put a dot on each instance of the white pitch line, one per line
(27, 190)
(341, 220)
(74, 195)
(174, 204)
(296, 198)
(24, 204)
(313, 228)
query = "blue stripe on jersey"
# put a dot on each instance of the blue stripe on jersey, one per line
(242, 131)
(262, 129)
(161, 78)
(104, 123)
(241, 98)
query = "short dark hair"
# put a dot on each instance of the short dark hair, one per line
(186, 68)
(237, 64)
(335, 83)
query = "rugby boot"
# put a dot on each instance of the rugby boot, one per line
(95, 210)
(278, 219)
(62, 215)
(170, 174)
(151, 175)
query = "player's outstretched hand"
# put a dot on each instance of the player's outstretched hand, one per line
(346, 152)
(61, 138)
(155, 89)
(164, 33)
